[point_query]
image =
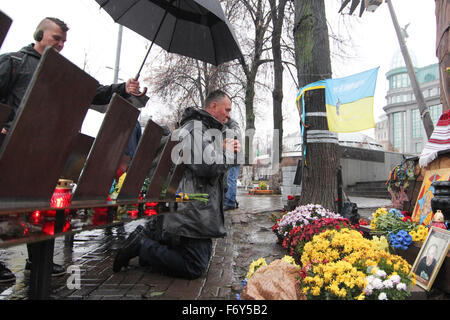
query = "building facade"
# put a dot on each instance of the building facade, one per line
(403, 124)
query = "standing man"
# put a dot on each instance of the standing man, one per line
(17, 68)
(184, 248)
(16, 72)
(232, 131)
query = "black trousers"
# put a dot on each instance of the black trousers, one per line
(185, 258)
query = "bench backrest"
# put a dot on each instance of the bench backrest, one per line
(45, 144)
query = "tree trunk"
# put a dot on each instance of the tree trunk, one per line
(258, 13)
(277, 12)
(320, 166)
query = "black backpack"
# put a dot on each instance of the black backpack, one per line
(17, 61)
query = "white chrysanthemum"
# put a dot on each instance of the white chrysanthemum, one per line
(377, 283)
(388, 284)
(368, 290)
(401, 286)
(382, 296)
(395, 279)
(380, 274)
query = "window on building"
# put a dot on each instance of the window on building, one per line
(416, 124)
(400, 81)
(397, 130)
(418, 147)
(433, 92)
(429, 77)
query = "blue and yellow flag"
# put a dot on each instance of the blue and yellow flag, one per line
(349, 101)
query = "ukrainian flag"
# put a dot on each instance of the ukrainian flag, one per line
(349, 101)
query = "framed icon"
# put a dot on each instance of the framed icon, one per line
(431, 256)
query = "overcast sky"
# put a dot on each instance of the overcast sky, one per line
(92, 40)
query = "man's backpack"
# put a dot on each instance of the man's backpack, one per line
(17, 61)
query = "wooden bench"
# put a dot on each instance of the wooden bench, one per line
(44, 144)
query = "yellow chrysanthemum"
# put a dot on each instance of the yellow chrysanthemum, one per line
(290, 260)
(315, 291)
(255, 265)
(361, 297)
(381, 243)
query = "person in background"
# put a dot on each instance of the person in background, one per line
(233, 131)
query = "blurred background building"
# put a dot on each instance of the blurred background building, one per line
(401, 129)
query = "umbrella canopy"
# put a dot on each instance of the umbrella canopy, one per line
(193, 28)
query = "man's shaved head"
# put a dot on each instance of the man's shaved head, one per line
(48, 22)
(51, 32)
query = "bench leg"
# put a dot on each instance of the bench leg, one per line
(68, 240)
(41, 269)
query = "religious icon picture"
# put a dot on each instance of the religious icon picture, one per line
(431, 256)
(423, 214)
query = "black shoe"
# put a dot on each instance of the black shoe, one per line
(226, 208)
(129, 250)
(57, 269)
(237, 204)
(5, 274)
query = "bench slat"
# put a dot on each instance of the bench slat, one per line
(79, 151)
(5, 23)
(109, 146)
(160, 176)
(140, 164)
(172, 188)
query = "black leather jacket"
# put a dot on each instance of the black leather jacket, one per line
(197, 219)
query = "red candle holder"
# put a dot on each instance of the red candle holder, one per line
(133, 213)
(150, 212)
(36, 216)
(62, 195)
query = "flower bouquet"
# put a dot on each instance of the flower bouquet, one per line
(399, 228)
(299, 217)
(182, 196)
(342, 264)
(299, 236)
(400, 240)
(419, 233)
(390, 221)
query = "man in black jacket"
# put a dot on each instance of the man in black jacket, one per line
(16, 72)
(184, 247)
(17, 68)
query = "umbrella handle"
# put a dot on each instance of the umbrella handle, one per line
(140, 94)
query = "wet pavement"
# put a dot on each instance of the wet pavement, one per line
(89, 259)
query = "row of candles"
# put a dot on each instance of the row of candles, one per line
(61, 198)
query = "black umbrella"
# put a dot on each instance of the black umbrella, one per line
(193, 28)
